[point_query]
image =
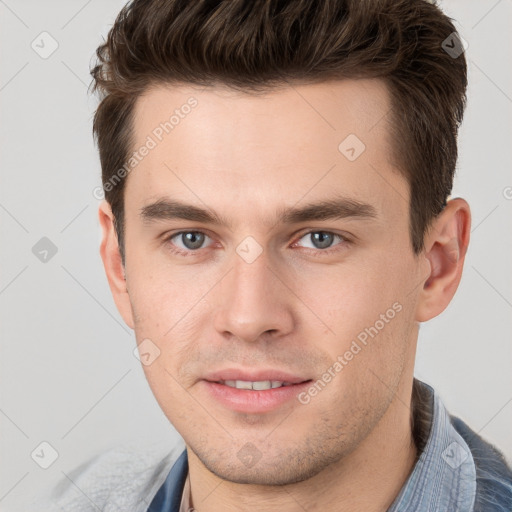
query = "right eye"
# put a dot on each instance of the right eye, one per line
(189, 241)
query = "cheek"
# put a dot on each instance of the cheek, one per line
(165, 298)
(172, 310)
(351, 297)
(364, 311)
(168, 392)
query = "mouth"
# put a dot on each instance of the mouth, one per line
(257, 393)
(258, 385)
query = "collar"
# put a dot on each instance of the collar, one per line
(444, 477)
(169, 496)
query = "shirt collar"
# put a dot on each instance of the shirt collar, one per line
(444, 477)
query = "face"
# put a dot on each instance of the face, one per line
(267, 241)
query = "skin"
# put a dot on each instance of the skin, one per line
(297, 307)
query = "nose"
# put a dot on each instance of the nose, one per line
(253, 302)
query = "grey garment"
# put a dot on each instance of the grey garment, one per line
(120, 480)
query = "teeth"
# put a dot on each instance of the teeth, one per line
(261, 385)
(243, 384)
(256, 385)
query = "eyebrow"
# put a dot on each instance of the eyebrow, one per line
(330, 209)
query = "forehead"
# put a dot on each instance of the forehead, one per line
(257, 150)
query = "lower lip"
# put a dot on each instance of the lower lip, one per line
(244, 400)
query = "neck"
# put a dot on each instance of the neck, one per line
(368, 479)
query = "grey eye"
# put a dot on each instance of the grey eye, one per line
(190, 240)
(320, 239)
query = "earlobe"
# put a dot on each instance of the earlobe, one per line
(445, 250)
(114, 268)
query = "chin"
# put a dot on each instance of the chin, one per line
(277, 470)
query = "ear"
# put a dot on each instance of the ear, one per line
(446, 244)
(114, 268)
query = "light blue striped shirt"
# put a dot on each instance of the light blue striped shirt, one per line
(444, 477)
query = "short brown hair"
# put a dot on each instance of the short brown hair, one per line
(254, 45)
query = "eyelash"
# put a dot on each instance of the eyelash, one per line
(315, 252)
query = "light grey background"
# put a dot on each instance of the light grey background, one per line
(68, 374)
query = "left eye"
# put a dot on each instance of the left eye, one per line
(320, 239)
(189, 240)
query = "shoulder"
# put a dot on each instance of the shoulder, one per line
(493, 475)
(124, 478)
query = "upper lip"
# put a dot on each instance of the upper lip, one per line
(253, 376)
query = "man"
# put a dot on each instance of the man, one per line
(276, 226)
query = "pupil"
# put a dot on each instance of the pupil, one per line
(322, 240)
(193, 240)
